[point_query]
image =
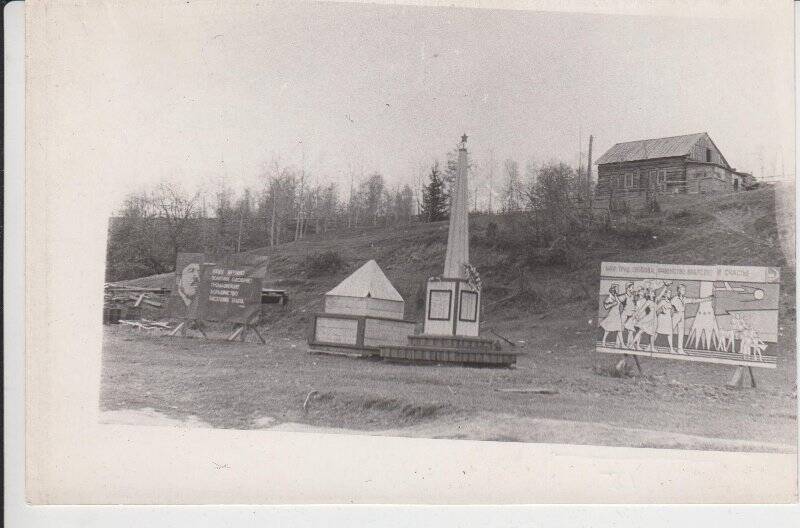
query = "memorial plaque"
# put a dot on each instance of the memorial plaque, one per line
(439, 305)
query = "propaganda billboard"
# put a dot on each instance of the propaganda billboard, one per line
(686, 310)
(230, 288)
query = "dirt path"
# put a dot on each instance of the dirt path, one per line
(152, 380)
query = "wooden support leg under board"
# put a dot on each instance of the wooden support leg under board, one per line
(253, 328)
(638, 366)
(737, 380)
(179, 328)
(236, 333)
(184, 325)
(623, 363)
(752, 378)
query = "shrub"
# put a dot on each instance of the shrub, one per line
(491, 231)
(324, 263)
(636, 236)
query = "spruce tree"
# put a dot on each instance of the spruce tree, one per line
(434, 201)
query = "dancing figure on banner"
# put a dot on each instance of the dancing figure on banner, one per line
(633, 324)
(664, 311)
(628, 309)
(613, 321)
(647, 321)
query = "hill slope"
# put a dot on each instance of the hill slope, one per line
(733, 229)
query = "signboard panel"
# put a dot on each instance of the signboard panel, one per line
(230, 288)
(722, 312)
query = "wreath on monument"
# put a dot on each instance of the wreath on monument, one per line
(473, 278)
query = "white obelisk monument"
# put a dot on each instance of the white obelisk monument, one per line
(452, 305)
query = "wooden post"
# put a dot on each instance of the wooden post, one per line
(184, 325)
(589, 165)
(737, 378)
(621, 364)
(235, 333)
(177, 329)
(241, 225)
(255, 330)
(638, 366)
(752, 378)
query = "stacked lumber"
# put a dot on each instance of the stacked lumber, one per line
(146, 324)
(125, 302)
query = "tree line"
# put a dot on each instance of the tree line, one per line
(155, 224)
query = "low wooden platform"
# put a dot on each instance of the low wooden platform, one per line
(456, 342)
(433, 354)
(704, 356)
(342, 350)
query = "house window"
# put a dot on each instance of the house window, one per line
(628, 180)
(662, 176)
(708, 155)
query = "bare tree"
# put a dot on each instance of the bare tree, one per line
(177, 209)
(511, 187)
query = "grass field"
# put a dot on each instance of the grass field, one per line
(552, 309)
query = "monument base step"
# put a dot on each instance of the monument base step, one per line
(429, 354)
(457, 342)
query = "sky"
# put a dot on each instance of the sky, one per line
(193, 95)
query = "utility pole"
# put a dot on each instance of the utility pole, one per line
(298, 230)
(589, 164)
(273, 188)
(241, 224)
(420, 192)
(589, 172)
(491, 178)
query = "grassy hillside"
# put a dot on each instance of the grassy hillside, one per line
(733, 229)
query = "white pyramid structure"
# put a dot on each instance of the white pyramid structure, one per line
(367, 291)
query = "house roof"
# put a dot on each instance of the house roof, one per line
(643, 149)
(367, 281)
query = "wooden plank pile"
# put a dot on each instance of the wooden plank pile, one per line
(127, 303)
(146, 324)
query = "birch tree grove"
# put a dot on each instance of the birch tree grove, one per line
(152, 226)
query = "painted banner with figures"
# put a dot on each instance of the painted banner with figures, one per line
(714, 312)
